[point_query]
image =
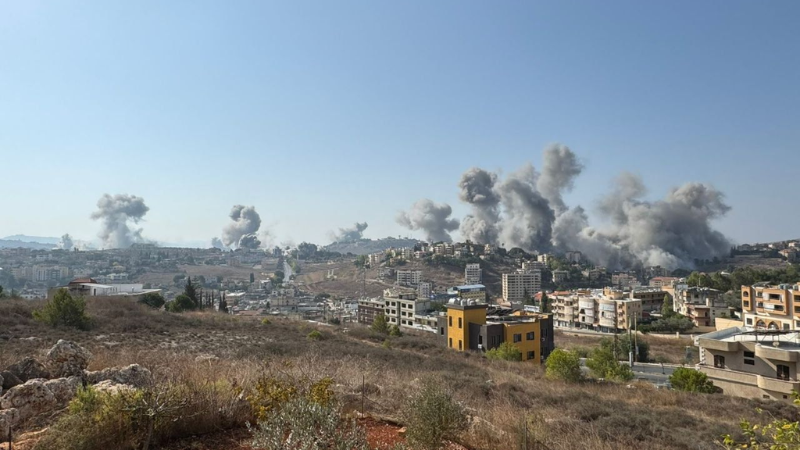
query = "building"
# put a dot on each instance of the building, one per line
(771, 307)
(701, 305)
(473, 274)
(401, 306)
(409, 277)
(424, 289)
(574, 257)
(659, 282)
(519, 285)
(606, 310)
(88, 287)
(475, 292)
(530, 266)
(466, 326)
(544, 258)
(750, 363)
(560, 276)
(652, 299)
(624, 279)
(369, 309)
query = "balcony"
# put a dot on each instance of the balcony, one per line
(776, 385)
(729, 375)
(776, 353)
(714, 344)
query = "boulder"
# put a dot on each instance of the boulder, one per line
(67, 359)
(110, 387)
(133, 375)
(8, 420)
(28, 369)
(9, 380)
(64, 389)
(30, 399)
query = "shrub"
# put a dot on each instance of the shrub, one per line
(152, 299)
(431, 415)
(394, 330)
(315, 335)
(272, 392)
(380, 324)
(180, 304)
(506, 351)
(603, 364)
(265, 321)
(301, 424)
(563, 365)
(690, 380)
(64, 309)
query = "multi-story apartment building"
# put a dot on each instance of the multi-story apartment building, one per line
(606, 310)
(771, 307)
(473, 274)
(544, 258)
(466, 326)
(530, 266)
(475, 292)
(518, 285)
(573, 256)
(49, 273)
(369, 309)
(424, 289)
(652, 299)
(624, 279)
(660, 282)
(409, 277)
(745, 362)
(701, 305)
(402, 306)
(560, 276)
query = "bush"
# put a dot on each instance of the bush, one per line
(272, 392)
(181, 303)
(152, 299)
(265, 321)
(563, 365)
(380, 324)
(506, 351)
(301, 424)
(394, 331)
(315, 335)
(431, 415)
(672, 324)
(64, 309)
(603, 364)
(690, 380)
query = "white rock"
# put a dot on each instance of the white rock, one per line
(67, 359)
(31, 398)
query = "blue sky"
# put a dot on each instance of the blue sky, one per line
(321, 114)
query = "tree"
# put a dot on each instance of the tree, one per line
(380, 324)
(152, 299)
(563, 365)
(2, 295)
(223, 304)
(690, 380)
(190, 290)
(64, 309)
(624, 345)
(277, 278)
(506, 351)
(252, 278)
(604, 365)
(666, 307)
(394, 331)
(431, 416)
(361, 261)
(180, 304)
(545, 303)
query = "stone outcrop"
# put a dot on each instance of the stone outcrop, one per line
(9, 380)
(28, 369)
(64, 389)
(29, 399)
(133, 375)
(111, 387)
(8, 420)
(67, 359)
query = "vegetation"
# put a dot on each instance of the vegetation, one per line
(272, 391)
(676, 323)
(563, 365)
(64, 310)
(315, 335)
(152, 299)
(604, 364)
(690, 380)
(431, 416)
(380, 324)
(394, 331)
(780, 434)
(180, 304)
(505, 351)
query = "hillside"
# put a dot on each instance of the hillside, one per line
(367, 246)
(214, 359)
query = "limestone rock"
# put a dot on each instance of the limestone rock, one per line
(9, 380)
(30, 399)
(111, 387)
(133, 375)
(28, 369)
(64, 389)
(67, 359)
(8, 420)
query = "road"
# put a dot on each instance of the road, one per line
(652, 373)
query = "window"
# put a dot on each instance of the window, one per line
(531, 355)
(719, 361)
(459, 322)
(460, 345)
(749, 320)
(518, 338)
(797, 309)
(451, 322)
(749, 358)
(745, 294)
(441, 331)
(529, 336)
(786, 326)
(783, 372)
(746, 304)
(480, 339)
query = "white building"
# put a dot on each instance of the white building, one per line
(424, 290)
(409, 277)
(516, 286)
(473, 274)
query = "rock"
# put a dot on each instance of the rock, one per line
(28, 369)
(206, 358)
(109, 387)
(64, 389)
(30, 399)
(1, 384)
(9, 380)
(133, 375)
(8, 420)
(67, 359)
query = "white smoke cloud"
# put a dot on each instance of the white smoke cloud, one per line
(114, 212)
(430, 217)
(246, 221)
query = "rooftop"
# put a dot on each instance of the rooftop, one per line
(783, 340)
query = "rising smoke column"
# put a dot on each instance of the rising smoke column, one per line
(250, 241)
(477, 189)
(559, 169)
(114, 212)
(66, 242)
(217, 243)
(430, 217)
(245, 221)
(349, 234)
(527, 217)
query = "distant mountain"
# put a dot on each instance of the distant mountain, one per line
(367, 246)
(15, 243)
(34, 239)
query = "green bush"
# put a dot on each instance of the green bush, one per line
(394, 331)
(380, 324)
(604, 365)
(431, 415)
(152, 299)
(265, 321)
(64, 309)
(563, 365)
(506, 351)
(181, 303)
(690, 380)
(315, 335)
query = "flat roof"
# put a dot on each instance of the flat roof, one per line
(470, 286)
(787, 340)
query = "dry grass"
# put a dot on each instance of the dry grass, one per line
(503, 397)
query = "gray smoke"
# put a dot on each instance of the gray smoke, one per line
(349, 234)
(432, 218)
(250, 241)
(66, 242)
(217, 243)
(477, 189)
(527, 210)
(245, 221)
(114, 212)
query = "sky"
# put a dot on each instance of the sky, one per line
(321, 114)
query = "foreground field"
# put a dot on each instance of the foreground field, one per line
(506, 401)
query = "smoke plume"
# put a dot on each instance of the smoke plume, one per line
(217, 243)
(66, 242)
(250, 241)
(246, 221)
(114, 212)
(432, 218)
(349, 234)
(526, 209)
